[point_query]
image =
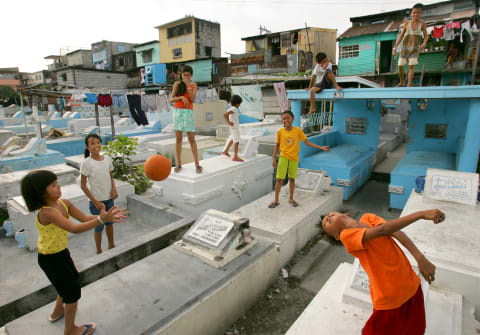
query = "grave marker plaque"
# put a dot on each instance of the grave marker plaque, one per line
(356, 125)
(452, 186)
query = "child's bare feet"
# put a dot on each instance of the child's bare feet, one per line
(338, 87)
(237, 159)
(56, 315)
(226, 153)
(111, 246)
(86, 329)
(99, 251)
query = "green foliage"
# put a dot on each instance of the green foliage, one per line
(8, 96)
(120, 151)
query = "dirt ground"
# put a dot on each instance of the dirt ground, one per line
(279, 307)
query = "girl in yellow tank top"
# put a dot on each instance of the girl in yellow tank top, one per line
(41, 191)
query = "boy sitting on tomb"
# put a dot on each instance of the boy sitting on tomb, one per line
(397, 297)
(323, 77)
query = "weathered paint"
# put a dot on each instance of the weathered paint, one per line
(202, 70)
(188, 48)
(155, 46)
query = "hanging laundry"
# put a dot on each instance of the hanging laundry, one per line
(437, 32)
(163, 104)
(148, 102)
(281, 95)
(60, 104)
(135, 105)
(91, 98)
(448, 34)
(78, 97)
(119, 100)
(466, 26)
(453, 25)
(104, 100)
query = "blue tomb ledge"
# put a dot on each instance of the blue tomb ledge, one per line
(352, 156)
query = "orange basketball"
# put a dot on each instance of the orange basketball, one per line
(157, 167)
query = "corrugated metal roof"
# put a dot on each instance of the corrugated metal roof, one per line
(371, 29)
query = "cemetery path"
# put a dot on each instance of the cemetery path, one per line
(285, 300)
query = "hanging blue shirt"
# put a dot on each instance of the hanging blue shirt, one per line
(91, 98)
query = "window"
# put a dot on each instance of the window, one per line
(147, 55)
(177, 53)
(208, 51)
(179, 30)
(350, 51)
(121, 48)
(285, 40)
(121, 61)
(378, 21)
(64, 77)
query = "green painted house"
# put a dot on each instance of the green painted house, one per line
(365, 49)
(147, 53)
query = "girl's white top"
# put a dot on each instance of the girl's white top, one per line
(98, 176)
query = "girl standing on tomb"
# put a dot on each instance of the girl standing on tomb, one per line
(41, 191)
(183, 95)
(97, 169)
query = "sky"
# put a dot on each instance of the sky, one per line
(34, 29)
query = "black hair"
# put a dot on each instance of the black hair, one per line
(187, 68)
(181, 89)
(325, 236)
(236, 100)
(418, 5)
(320, 57)
(92, 135)
(288, 111)
(33, 187)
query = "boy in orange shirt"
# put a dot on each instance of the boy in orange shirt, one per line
(288, 141)
(395, 288)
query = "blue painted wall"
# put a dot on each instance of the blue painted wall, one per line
(202, 70)
(451, 112)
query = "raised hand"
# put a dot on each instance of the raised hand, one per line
(114, 214)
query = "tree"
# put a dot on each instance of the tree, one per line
(8, 96)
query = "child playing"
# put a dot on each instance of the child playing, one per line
(41, 191)
(412, 33)
(288, 140)
(394, 287)
(451, 55)
(231, 116)
(323, 77)
(183, 95)
(97, 168)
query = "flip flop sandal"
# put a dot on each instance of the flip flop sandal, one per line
(273, 204)
(55, 319)
(293, 203)
(198, 169)
(88, 327)
(177, 168)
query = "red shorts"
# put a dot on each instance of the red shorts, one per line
(408, 319)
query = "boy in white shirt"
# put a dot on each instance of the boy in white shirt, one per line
(231, 116)
(323, 77)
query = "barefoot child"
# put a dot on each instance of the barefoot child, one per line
(231, 116)
(395, 288)
(183, 95)
(288, 141)
(97, 168)
(323, 77)
(412, 34)
(41, 191)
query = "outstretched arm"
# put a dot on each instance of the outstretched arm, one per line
(402, 34)
(427, 269)
(313, 145)
(390, 227)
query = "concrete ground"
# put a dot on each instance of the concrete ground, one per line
(20, 270)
